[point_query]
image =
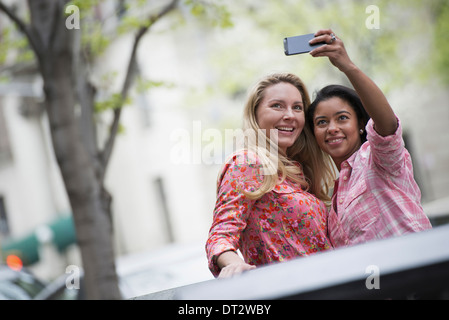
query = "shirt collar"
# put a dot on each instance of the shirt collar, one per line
(350, 160)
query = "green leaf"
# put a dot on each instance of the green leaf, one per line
(441, 39)
(115, 101)
(143, 85)
(210, 12)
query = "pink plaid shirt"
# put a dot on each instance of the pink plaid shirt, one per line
(377, 196)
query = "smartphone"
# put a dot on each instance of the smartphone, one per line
(300, 44)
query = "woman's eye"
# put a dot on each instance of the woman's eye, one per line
(298, 107)
(343, 117)
(276, 105)
(321, 122)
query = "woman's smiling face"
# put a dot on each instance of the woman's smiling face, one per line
(337, 129)
(282, 109)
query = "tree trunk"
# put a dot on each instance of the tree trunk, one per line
(88, 199)
(91, 214)
(69, 99)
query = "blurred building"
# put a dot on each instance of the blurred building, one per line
(157, 199)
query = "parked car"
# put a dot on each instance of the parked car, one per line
(18, 284)
(139, 274)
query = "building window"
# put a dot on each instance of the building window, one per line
(159, 184)
(5, 149)
(4, 227)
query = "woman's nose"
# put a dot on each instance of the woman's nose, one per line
(288, 113)
(332, 128)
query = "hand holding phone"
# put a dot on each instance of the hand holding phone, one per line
(300, 44)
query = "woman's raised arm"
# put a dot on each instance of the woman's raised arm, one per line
(372, 97)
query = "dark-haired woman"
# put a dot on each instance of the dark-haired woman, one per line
(375, 195)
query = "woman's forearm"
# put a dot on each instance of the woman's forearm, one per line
(372, 97)
(374, 101)
(231, 264)
(227, 258)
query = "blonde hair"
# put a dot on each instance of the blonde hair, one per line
(315, 173)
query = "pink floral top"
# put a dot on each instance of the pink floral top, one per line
(284, 223)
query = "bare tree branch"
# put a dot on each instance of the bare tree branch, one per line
(33, 41)
(130, 76)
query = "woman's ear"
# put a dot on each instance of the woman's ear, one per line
(361, 126)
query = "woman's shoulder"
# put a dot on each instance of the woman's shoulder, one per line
(243, 157)
(240, 161)
(243, 166)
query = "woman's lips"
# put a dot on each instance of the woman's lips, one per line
(335, 141)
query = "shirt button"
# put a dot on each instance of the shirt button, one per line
(341, 200)
(345, 178)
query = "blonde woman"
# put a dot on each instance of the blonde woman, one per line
(271, 215)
